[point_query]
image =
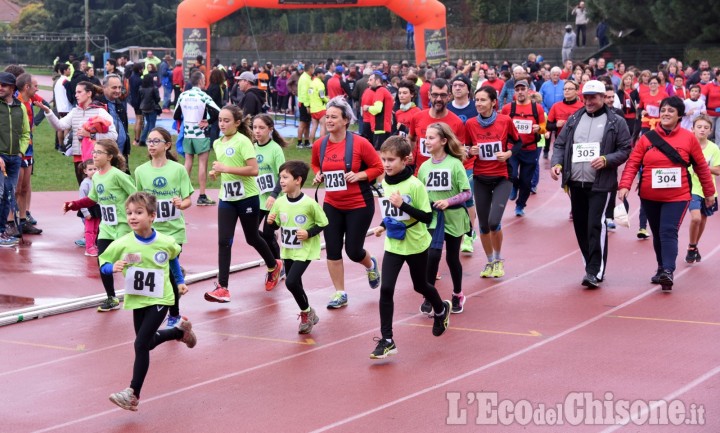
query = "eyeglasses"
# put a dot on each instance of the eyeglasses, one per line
(438, 95)
(99, 152)
(567, 89)
(155, 142)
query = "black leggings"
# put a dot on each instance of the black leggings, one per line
(268, 233)
(391, 265)
(229, 212)
(175, 308)
(294, 271)
(452, 258)
(351, 225)
(147, 337)
(107, 280)
(491, 197)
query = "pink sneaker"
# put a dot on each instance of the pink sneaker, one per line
(92, 251)
(219, 294)
(188, 337)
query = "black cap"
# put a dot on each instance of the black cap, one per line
(7, 78)
(319, 71)
(464, 79)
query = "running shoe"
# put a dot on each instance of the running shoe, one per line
(219, 294)
(373, 274)
(591, 281)
(283, 276)
(487, 272)
(693, 255)
(467, 244)
(533, 190)
(29, 218)
(92, 251)
(172, 321)
(338, 300)
(28, 229)
(458, 301)
(307, 321)
(519, 212)
(125, 399)
(11, 230)
(655, 279)
(643, 234)
(383, 349)
(273, 276)
(513, 194)
(80, 243)
(203, 200)
(188, 337)
(666, 280)
(498, 269)
(442, 321)
(611, 224)
(8, 241)
(426, 307)
(111, 303)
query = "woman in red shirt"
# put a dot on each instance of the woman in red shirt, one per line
(493, 139)
(407, 108)
(649, 106)
(629, 100)
(664, 183)
(348, 202)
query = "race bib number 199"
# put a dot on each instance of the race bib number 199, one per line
(265, 182)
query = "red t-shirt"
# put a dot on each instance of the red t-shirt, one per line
(365, 158)
(497, 84)
(367, 99)
(563, 111)
(524, 121)
(712, 98)
(491, 140)
(404, 117)
(628, 108)
(384, 96)
(334, 88)
(686, 145)
(651, 104)
(418, 127)
(425, 95)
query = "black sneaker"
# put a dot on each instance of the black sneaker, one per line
(426, 307)
(30, 218)
(442, 321)
(666, 280)
(383, 349)
(655, 279)
(31, 230)
(590, 281)
(693, 255)
(457, 303)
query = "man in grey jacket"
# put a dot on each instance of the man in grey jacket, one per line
(568, 43)
(592, 145)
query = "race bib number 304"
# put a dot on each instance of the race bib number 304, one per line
(666, 177)
(145, 282)
(585, 152)
(388, 210)
(335, 181)
(439, 180)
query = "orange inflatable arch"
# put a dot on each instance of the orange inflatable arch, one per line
(194, 18)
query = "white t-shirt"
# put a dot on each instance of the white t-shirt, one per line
(697, 106)
(60, 94)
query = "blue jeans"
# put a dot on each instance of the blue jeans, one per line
(536, 176)
(167, 91)
(523, 168)
(665, 219)
(7, 187)
(150, 119)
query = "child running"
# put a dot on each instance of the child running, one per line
(169, 182)
(406, 203)
(237, 165)
(448, 188)
(111, 186)
(144, 257)
(698, 211)
(90, 215)
(269, 149)
(301, 220)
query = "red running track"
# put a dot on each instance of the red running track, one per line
(534, 337)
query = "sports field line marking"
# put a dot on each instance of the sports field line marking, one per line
(659, 319)
(288, 357)
(78, 348)
(672, 396)
(484, 331)
(501, 360)
(306, 341)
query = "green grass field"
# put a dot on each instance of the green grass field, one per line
(54, 171)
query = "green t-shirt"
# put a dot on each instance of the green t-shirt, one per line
(712, 156)
(234, 153)
(166, 182)
(291, 216)
(110, 190)
(269, 158)
(443, 180)
(147, 277)
(417, 238)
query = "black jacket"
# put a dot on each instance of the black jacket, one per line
(149, 99)
(121, 109)
(253, 102)
(615, 147)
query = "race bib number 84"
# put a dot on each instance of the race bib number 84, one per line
(145, 282)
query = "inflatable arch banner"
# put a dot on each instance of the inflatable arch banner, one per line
(194, 18)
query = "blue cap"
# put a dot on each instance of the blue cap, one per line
(339, 69)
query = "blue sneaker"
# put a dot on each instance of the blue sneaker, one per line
(513, 194)
(519, 212)
(172, 321)
(8, 241)
(338, 300)
(373, 274)
(80, 243)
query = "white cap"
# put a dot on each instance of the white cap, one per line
(593, 87)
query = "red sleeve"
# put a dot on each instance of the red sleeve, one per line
(372, 161)
(87, 202)
(632, 166)
(541, 113)
(315, 160)
(506, 109)
(552, 115)
(701, 168)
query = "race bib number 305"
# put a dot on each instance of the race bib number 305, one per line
(585, 152)
(523, 126)
(145, 282)
(289, 239)
(234, 190)
(109, 214)
(166, 211)
(265, 182)
(388, 210)
(439, 180)
(487, 151)
(666, 177)
(335, 181)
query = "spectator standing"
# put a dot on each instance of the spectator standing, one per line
(569, 41)
(581, 21)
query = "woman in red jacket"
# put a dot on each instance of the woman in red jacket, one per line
(664, 186)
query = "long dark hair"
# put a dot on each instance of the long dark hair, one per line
(111, 147)
(268, 121)
(244, 127)
(168, 139)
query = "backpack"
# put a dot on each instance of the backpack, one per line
(535, 114)
(348, 154)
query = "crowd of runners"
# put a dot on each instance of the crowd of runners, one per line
(439, 153)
